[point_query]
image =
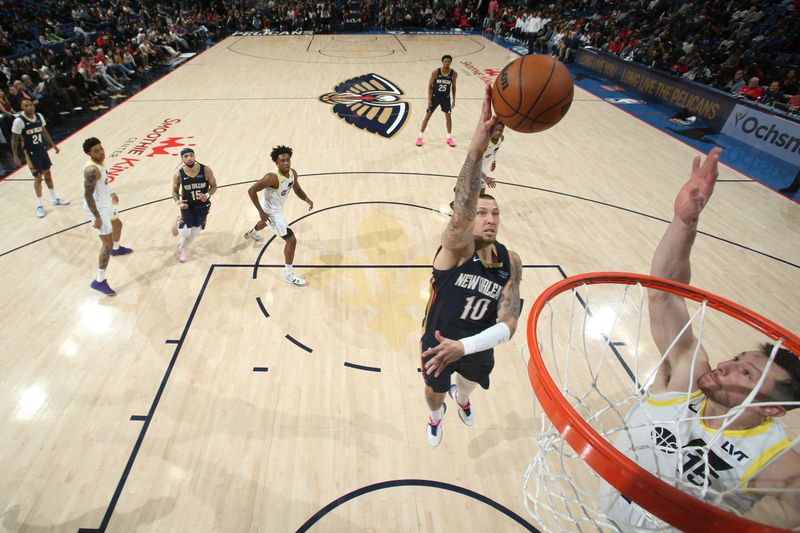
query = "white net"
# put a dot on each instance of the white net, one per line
(595, 343)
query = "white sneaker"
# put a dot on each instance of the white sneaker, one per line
(253, 234)
(60, 201)
(464, 411)
(40, 211)
(435, 432)
(294, 279)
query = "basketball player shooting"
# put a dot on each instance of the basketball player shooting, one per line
(474, 301)
(753, 451)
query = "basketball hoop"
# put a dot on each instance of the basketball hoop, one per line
(560, 492)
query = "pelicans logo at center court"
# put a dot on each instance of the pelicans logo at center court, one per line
(369, 102)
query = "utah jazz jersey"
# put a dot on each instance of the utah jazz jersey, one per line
(463, 300)
(442, 83)
(31, 131)
(275, 198)
(667, 436)
(102, 192)
(490, 155)
(192, 187)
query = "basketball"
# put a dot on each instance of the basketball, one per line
(532, 93)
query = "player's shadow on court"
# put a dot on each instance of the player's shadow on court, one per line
(515, 427)
(153, 510)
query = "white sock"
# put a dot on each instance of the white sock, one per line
(436, 416)
(39, 201)
(184, 235)
(420, 135)
(116, 245)
(464, 388)
(53, 196)
(193, 232)
(288, 269)
(449, 137)
(101, 274)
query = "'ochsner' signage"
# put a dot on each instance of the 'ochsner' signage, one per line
(768, 133)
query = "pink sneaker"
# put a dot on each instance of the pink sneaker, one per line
(419, 141)
(174, 227)
(181, 254)
(450, 143)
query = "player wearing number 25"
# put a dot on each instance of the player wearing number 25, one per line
(474, 301)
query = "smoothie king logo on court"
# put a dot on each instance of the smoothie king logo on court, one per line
(488, 74)
(150, 145)
(369, 102)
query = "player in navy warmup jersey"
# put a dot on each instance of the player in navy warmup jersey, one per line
(474, 301)
(192, 187)
(441, 85)
(29, 127)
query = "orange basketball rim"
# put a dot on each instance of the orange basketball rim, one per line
(648, 491)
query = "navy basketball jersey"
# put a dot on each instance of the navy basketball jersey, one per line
(463, 300)
(191, 187)
(442, 83)
(33, 133)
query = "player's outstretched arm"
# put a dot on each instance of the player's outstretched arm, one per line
(668, 312)
(457, 239)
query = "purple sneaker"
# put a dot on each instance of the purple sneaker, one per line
(102, 286)
(122, 251)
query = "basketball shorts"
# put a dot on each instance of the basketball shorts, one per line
(38, 161)
(195, 216)
(107, 214)
(276, 221)
(474, 367)
(436, 101)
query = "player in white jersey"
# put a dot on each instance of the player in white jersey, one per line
(673, 431)
(276, 186)
(489, 162)
(99, 201)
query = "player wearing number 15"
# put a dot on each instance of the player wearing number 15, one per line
(474, 301)
(192, 187)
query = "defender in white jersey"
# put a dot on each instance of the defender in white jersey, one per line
(489, 162)
(276, 186)
(673, 431)
(99, 201)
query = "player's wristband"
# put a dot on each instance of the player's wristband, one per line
(488, 338)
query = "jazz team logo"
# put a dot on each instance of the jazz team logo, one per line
(369, 102)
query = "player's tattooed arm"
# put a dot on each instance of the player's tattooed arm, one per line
(509, 306)
(90, 177)
(458, 233)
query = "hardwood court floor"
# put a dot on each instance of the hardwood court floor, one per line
(143, 412)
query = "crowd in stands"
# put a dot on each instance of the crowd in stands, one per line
(67, 54)
(748, 48)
